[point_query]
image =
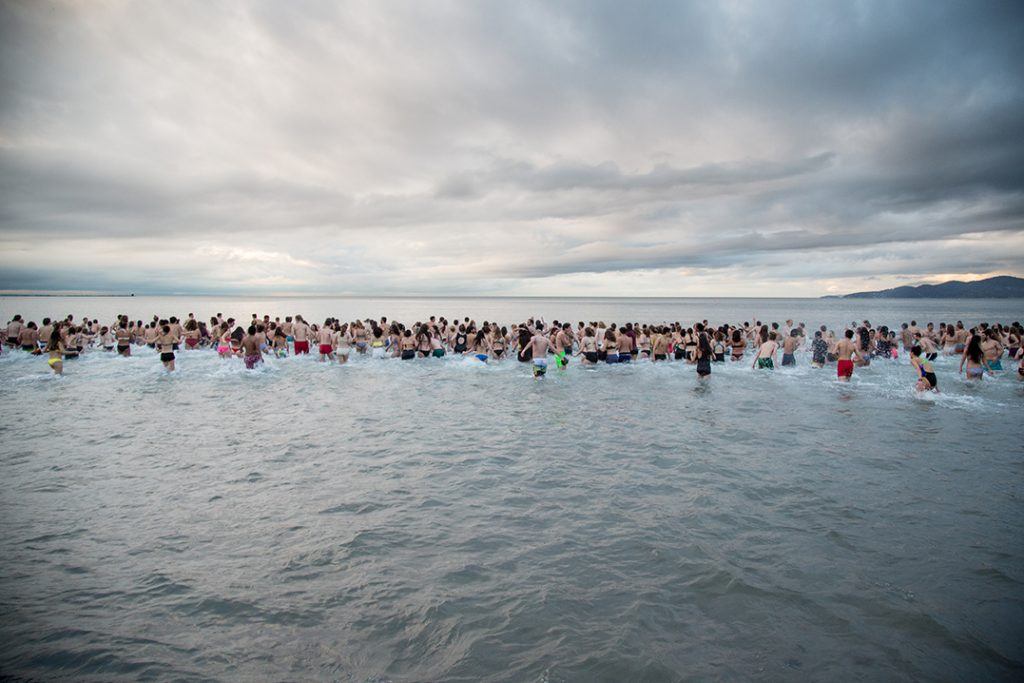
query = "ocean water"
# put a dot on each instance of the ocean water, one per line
(451, 520)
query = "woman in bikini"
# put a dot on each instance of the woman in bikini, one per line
(643, 342)
(166, 343)
(498, 341)
(55, 348)
(192, 334)
(739, 345)
(479, 347)
(949, 341)
(973, 358)
(926, 380)
(611, 347)
(407, 346)
(588, 347)
(124, 339)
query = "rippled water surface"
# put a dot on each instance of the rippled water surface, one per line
(446, 519)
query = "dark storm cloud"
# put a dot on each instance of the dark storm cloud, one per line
(324, 146)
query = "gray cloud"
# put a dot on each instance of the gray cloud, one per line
(477, 147)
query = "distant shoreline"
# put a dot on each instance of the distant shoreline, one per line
(825, 298)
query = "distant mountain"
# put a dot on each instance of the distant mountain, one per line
(1002, 287)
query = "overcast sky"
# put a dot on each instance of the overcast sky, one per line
(540, 148)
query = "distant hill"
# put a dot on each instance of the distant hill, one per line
(1002, 287)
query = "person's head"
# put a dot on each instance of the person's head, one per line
(737, 336)
(772, 335)
(166, 328)
(794, 333)
(915, 351)
(817, 334)
(539, 325)
(849, 334)
(905, 326)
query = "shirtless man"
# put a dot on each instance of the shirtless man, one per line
(563, 346)
(325, 338)
(177, 330)
(789, 345)
(539, 346)
(28, 339)
(907, 337)
(960, 336)
(44, 333)
(766, 353)
(13, 330)
(300, 332)
(845, 351)
(626, 345)
(992, 347)
(251, 350)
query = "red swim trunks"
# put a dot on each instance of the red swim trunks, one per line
(191, 342)
(325, 349)
(302, 347)
(844, 368)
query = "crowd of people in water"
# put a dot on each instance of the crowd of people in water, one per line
(980, 348)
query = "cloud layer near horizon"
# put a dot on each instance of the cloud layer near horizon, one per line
(705, 148)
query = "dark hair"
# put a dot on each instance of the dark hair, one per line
(974, 349)
(704, 345)
(915, 350)
(54, 343)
